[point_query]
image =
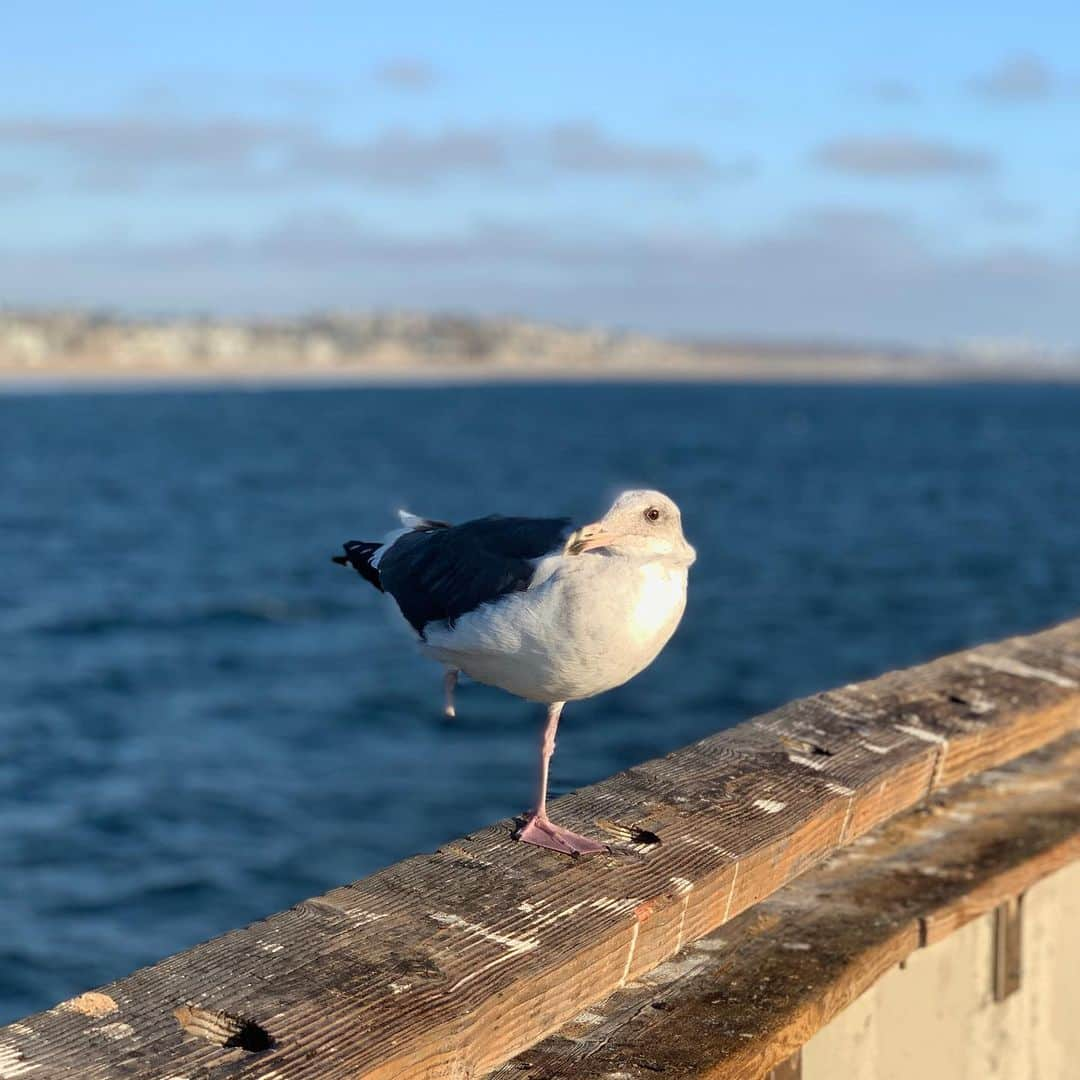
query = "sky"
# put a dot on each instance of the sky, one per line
(902, 174)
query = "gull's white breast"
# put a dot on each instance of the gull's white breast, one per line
(590, 624)
(661, 597)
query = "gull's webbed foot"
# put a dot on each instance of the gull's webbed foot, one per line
(542, 832)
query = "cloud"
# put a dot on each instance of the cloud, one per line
(1023, 77)
(825, 274)
(583, 148)
(236, 152)
(407, 74)
(902, 156)
(141, 140)
(125, 151)
(403, 158)
(893, 92)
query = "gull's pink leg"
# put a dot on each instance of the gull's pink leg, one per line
(449, 684)
(539, 829)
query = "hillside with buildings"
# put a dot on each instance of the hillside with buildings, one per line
(68, 340)
(76, 345)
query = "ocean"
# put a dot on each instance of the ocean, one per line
(203, 720)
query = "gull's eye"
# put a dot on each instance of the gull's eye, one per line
(652, 514)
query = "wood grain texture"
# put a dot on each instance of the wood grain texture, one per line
(740, 1002)
(448, 964)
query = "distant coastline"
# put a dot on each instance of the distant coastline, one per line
(79, 350)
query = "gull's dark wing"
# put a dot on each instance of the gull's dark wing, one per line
(443, 573)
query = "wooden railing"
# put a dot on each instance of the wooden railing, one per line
(450, 964)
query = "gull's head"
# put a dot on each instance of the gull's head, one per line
(643, 524)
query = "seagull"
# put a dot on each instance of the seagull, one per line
(538, 608)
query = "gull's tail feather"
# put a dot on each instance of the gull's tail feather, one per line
(364, 555)
(358, 555)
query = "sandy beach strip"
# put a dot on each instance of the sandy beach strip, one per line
(795, 370)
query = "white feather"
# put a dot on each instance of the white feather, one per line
(411, 523)
(388, 542)
(585, 624)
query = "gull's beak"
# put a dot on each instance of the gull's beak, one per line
(587, 538)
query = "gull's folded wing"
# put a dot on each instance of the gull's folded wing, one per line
(443, 573)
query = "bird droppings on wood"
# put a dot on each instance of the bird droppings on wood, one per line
(13, 1062)
(731, 892)
(630, 954)
(512, 945)
(809, 762)
(368, 916)
(587, 1018)
(671, 970)
(712, 944)
(118, 1030)
(975, 702)
(921, 733)
(705, 845)
(1011, 666)
(615, 905)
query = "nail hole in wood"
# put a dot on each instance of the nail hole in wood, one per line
(631, 834)
(223, 1028)
(805, 746)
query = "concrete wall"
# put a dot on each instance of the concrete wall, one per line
(936, 1018)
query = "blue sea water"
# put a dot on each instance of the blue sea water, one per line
(202, 720)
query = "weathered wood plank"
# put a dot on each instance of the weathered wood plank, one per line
(450, 963)
(741, 1001)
